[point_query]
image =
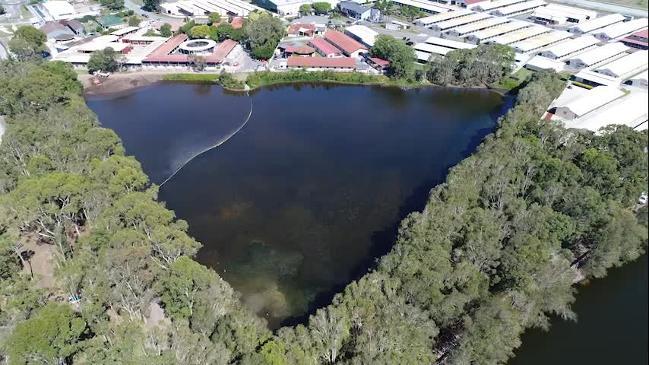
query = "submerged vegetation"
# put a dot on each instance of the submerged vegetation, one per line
(496, 250)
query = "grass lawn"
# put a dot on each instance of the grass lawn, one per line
(514, 80)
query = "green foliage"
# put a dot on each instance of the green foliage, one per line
(133, 21)
(151, 5)
(224, 79)
(214, 18)
(259, 79)
(54, 334)
(402, 57)
(481, 66)
(27, 43)
(165, 30)
(262, 34)
(112, 4)
(200, 31)
(106, 60)
(306, 9)
(225, 31)
(321, 7)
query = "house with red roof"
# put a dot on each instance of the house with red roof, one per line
(348, 45)
(324, 48)
(301, 30)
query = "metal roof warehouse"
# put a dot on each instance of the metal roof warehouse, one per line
(621, 29)
(540, 41)
(597, 23)
(588, 101)
(597, 55)
(519, 35)
(429, 20)
(473, 27)
(483, 35)
(519, 8)
(569, 47)
(626, 66)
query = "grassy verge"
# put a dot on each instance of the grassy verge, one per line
(266, 78)
(226, 80)
(514, 80)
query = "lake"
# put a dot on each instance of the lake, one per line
(310, 191)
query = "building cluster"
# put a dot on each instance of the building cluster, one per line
(314, 47)
(138, 50)
(202, 8)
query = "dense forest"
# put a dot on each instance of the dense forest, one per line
(497, 249)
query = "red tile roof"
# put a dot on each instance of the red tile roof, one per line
(324, 47)
(303, 50)
(380, 62)
(304, 27)
(344, 42)
(321, 62)
(237, 22)
(162, 53)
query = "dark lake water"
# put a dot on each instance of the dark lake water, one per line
(301, 200)
(611, 328)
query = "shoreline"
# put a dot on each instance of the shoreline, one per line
(120, 84)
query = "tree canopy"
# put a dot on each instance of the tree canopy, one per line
(262, 34)
(28, 42)
(495, 250)
(484, 65)
(105, 60)
(402, 57)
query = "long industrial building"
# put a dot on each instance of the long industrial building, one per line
(561, 14)
(626, 66)
(430, 20)
(540, 41)
(519, 35)
(597, 55)
(620, 29)
(630, 110)
(587, 102)
(597, 23)
(438, 47)
(492, 5)
(205, 7)
(499, 30)
(569, 47)
(456, 22)
(427, 6)
(463, 30)
(520, 8)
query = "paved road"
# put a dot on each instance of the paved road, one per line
(609, 8)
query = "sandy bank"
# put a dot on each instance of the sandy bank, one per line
(119, 82)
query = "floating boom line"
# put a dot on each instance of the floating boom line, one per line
(209, 148)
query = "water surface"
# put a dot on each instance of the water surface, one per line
(305, 197)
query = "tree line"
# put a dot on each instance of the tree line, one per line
(495, 251)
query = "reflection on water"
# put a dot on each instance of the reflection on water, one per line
(302, 200)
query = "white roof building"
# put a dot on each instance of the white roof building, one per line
(559, 14)
(592, 78)
(630, 110)
(204, 7)
(59, 10)
(569, 47)
(363, 34)
(430, 49)
(587, 102)
(540, 63)
(520, 8)
(621, 29)
(597, 55)
(540, 41)
(640, 80)
(430, 20)
(448, 43)
(597, 23)
(427, 6)
(474, 27)
(492, 5)
(626, 66)
(456, 22)
(519, 35)
(498, 30)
